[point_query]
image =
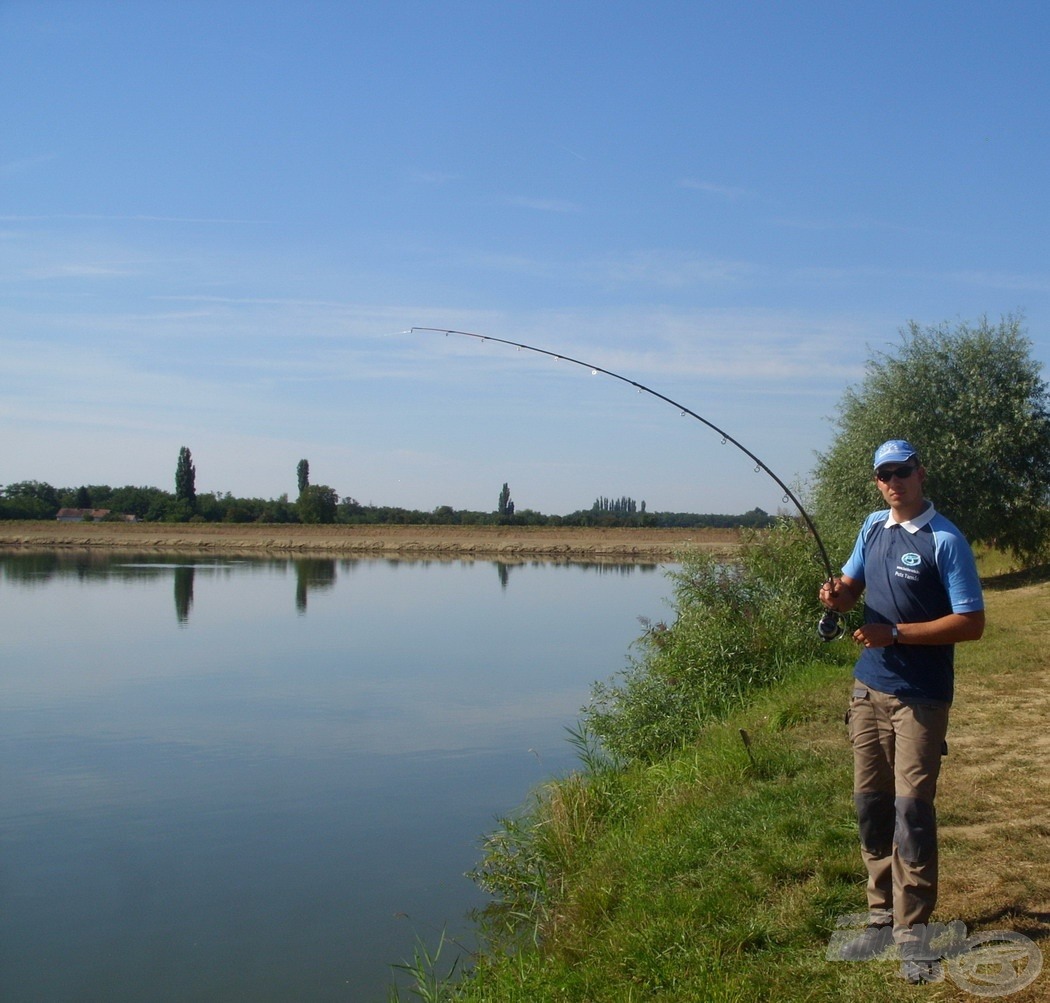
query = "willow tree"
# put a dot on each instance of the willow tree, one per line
(973, 401)
(317, 504)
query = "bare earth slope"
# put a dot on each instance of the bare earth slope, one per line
(494, 542)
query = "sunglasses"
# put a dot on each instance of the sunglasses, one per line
(902, 472)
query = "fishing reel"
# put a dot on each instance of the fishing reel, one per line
(831, 625)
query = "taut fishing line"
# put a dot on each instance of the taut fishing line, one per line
(831, 624)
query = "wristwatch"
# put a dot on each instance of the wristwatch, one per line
(894, 633)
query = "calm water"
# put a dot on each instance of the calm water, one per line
(263, 779)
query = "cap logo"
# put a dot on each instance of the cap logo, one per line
(894, 451)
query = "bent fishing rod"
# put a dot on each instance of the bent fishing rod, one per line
(831, 623)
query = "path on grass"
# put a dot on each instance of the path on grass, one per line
(994, 798)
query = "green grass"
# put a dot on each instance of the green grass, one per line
(719, 877)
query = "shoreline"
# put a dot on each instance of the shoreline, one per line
(380, 540)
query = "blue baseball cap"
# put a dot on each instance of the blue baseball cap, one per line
(894, 451)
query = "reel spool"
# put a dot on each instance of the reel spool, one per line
(832, 625)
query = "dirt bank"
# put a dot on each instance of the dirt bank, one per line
(380, 540)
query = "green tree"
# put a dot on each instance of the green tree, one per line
(138, 501)
(318, 504)
(29, 500)
(185, 478)
(303, 473)
(280, 510)
(505, 509)
(973, 402)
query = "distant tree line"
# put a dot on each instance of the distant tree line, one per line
(619, 507)
(316, 504)
(319, 503)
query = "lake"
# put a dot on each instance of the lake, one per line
(263, 779)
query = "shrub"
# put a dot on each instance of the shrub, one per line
(739, 627)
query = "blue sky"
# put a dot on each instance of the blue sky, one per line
(217, 219)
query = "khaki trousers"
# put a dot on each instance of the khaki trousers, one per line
(897, 750)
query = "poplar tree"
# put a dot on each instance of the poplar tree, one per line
(303, 473)
(185, 478)
(506, 506)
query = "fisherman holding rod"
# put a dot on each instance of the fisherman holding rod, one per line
(922, 596)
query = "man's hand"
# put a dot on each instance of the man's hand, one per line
(950, 629)
(838, 594)
(874, 635)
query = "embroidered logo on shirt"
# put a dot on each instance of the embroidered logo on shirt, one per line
(911, 560)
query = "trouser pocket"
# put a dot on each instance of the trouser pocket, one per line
(859, 696)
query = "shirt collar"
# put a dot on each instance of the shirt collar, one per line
(913, 525)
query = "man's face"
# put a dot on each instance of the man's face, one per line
(901, 483)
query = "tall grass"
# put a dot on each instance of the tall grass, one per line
(432, 979)
(738, 627)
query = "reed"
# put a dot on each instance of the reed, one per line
(738, 627)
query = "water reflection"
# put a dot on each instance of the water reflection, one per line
(236, 802)
(184, 592)
(312, 573)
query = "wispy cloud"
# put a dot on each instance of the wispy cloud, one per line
(574, 153)
(435, 179)
(544, 204)
(1019, 281)
(710, 188)
(654, 269)
(24, 165)
(76, 270)
(847, 224)
(131, 218)
(757, 346)
(672, 270)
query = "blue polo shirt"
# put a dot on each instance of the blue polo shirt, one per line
(912, 571)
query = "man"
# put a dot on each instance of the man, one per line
(922, 596)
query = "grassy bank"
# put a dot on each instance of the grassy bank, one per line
(717, 872)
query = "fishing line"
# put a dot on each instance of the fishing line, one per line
(831, 624)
